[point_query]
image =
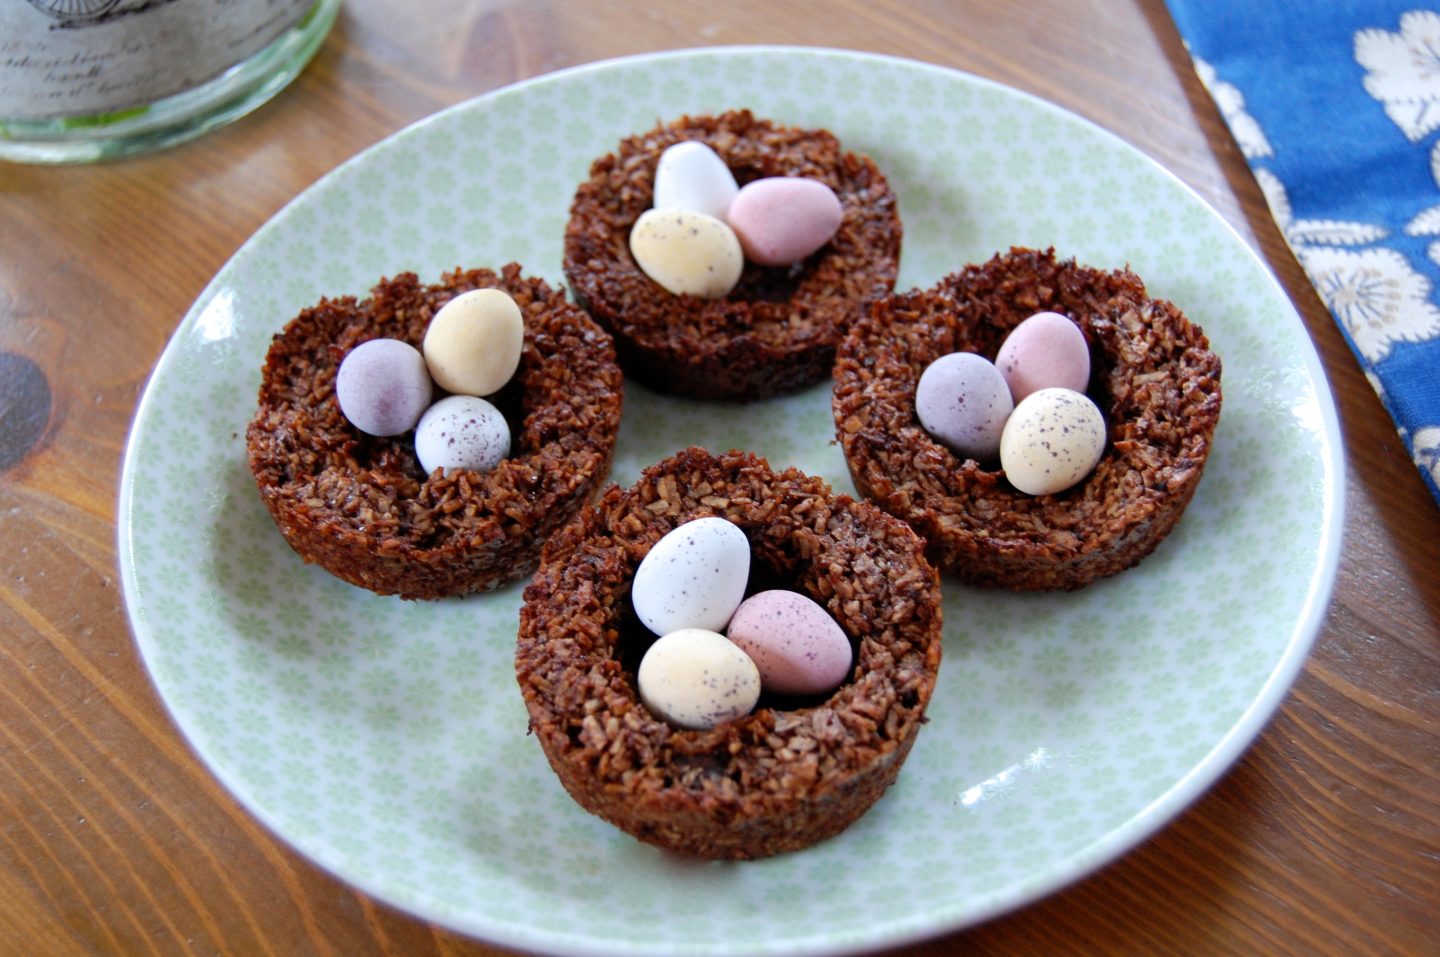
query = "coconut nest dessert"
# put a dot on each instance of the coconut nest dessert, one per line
(1153, 377)
(362, 507)
(789, 773)
(777, 329)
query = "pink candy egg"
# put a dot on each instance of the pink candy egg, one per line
(963, 401)
(383, 386)
(782, 219)
(797, 646)
(1045, 351)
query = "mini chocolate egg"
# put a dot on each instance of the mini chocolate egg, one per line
(798, 648)
(782, 219)
(688, 253)
(383, 386)
(474, 342)
(963, 401)
(697, 679)
(461, 432)
(690, 175)
(1045, 351)
(1052, 441)
(693, 577)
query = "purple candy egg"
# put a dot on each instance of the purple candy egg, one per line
(963, 401)
(383, 386)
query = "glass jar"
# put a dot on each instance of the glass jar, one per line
(84, 80)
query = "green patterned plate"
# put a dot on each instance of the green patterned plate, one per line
(387, 741)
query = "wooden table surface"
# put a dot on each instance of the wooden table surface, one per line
(1324, 839)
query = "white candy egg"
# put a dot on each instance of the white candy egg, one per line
(688, 253)
(474, 342)
(697, 679)
(690, 175)
(1052, 441)
(693, 577)
(461, 432)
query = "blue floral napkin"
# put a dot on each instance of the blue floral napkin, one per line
(1336, 106)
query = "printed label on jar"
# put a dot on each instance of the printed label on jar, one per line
(66, 58)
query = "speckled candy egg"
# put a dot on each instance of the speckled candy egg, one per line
(461, 432)
(697, 679)
(690, 175)
(1052, 441)
(693, 577)
(798, 648)
(782, 219)
(474, 342)
(963, 401)
(1045, 351)
(688, 253)
(383, 386)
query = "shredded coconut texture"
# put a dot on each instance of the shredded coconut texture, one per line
(782, 777)
(362, 507)
(777, 330)
(1153, 377)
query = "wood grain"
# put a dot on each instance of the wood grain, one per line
(1324, 839)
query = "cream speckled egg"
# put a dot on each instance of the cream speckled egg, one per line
(1052, 441)
(474, 342)
(690, 175)
(697, 679)
(798, 647)
(461, 432)
(693, 577)
(688, 253)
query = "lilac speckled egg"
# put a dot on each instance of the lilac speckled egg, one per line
(690, 175)
(963, 401)
(697, 679)
(462, 432)
(1045, 351)
(693, 577)
(1052, 441)
(782, 219)
(798, 647)
(383, 386)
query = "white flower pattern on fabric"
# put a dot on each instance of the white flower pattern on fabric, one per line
(1247, 132)
(1374, 293)
(1427, 223)
(1369, 283)
(1306, 232)
(1403, 71)
(1426, 445)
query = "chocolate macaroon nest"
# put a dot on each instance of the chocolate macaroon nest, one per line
(789, 773)
(777, 329)
(362, 507)
(1153, 377)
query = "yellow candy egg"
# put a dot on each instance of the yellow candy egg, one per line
(688, 253)
(474, 342)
